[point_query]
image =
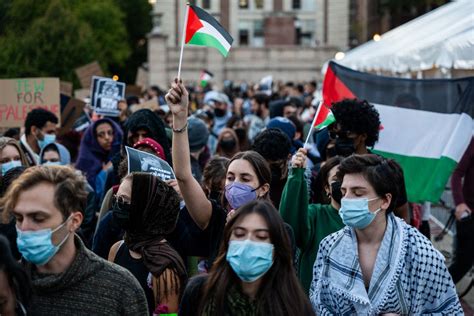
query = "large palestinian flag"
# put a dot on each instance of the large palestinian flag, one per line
(427, 124)
(204, 30)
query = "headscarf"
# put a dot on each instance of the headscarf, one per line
(92, 155)
(154, 212)
(64, 156)
(149, 121)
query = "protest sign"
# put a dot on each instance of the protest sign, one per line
(145, 162)
(19, 96)
(142, 77)
(150, 104)
(71, 114)
(85, 73)
(133, 90)
(82, 122)
(105, 95)
(82, 94)
(65, 87)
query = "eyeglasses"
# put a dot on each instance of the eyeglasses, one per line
(120, 200)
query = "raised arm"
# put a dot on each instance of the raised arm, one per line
(199, 207)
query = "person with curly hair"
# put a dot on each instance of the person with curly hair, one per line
(357, 128)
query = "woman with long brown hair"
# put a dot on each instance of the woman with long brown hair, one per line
(253, 273)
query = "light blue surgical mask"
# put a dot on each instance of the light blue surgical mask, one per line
(52, 163)
(48, 139)
(36, 246)
(10, 165)
(355, 212)
(250, 260)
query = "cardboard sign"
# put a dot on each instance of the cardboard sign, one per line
(145, 162)
(82, 123)
(70, 115)
(132, 90)
(19, 96)
(82, 94)
(65, 88)
(85, 73)
(105, 95)
(142, 77)
(150, 104)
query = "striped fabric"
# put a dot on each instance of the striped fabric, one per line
(409, 276)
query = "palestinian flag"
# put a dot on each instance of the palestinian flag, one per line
(205, 77)
(204, 30)
(323, 117)
(427, 124)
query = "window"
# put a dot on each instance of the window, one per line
(296, 4)
(206, 4)
(258, 36)
(243, 37)
(244, 4)
(259, 4)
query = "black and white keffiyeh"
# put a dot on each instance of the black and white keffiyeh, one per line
(409, 277)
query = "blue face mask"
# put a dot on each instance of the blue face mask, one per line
(355, 212)
(238, 194)
(250, 260)
(52, 163)
(10, 165)
(48, 139)
(37, 246)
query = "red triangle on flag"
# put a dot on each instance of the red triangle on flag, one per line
(193, 25)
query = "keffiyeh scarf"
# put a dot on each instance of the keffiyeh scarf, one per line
(409, 276)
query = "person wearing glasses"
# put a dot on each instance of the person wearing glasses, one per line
(147, 209)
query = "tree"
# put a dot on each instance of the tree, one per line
(52, 38)
(138, 22)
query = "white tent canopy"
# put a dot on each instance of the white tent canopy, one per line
(442, 38)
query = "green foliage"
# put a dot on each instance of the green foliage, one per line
(53, 37)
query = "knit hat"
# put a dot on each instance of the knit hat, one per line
(151, 143)
(197, 134)
(284, 124)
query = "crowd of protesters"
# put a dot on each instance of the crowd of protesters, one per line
(255, 223)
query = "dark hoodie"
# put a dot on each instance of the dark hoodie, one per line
(92, 155)
(148, 121)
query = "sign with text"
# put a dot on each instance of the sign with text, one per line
(105, 95)
(19, 96)
(140, 161)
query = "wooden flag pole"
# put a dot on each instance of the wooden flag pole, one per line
(182, 40)
(312, 124)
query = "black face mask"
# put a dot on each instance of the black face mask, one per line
(228, 144)
(121, 214)
(344, 147)
(219, 112)
(336, 193)
(241, 133)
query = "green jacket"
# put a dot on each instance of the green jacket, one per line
(311, 223)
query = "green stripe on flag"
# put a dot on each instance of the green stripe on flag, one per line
(425, 178)
(202, 39)
(327, 121)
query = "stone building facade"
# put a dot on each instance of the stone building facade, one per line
(288, 39)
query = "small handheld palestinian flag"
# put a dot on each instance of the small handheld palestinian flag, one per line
(205, 77)
(202, 29)
(322, 119)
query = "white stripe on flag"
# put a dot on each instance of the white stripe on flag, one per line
(210, 30)
(425, 134)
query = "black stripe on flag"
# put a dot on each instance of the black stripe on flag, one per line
(203, 15)
(434, 95)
